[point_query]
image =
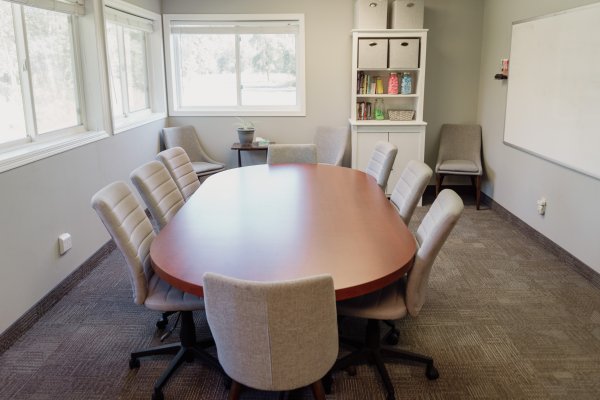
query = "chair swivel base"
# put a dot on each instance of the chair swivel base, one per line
(371, 352)
(186, 350)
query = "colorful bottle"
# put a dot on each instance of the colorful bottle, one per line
(393, 83)
(406, 85)
(378, 85)
(379, 110)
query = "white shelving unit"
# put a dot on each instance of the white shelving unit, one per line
(385, 51)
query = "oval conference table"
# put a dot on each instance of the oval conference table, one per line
(284, 222)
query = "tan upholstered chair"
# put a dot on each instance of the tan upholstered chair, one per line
(132, 231)
(405, 297)
(460, 154)
(181, 169)
(331, 144)
(410, 188)
(381, 162)
(292, 153)
(287, 336)
(158, 190)
(187, 138)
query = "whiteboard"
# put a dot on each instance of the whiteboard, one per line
(553, 100)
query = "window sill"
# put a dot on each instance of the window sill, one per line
(31, 152)
(135, 122)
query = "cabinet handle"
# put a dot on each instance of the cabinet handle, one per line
(404, 44)
(372, 44)
(372, 4)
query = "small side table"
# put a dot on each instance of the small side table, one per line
(248, 147)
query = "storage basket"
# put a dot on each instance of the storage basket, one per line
(401, 115)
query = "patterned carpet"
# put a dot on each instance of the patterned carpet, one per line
(505, 319)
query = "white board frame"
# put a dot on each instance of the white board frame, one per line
(516, 122)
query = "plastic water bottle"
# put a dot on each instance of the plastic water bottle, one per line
(406, 85)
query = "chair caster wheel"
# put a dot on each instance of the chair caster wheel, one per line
(431, 372)
(227, 383)
(162, 323)
(158, 395)
(134, 363)
(392, 338)
(351, 370)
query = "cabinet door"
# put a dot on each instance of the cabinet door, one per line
(408, 144)
(365, 146)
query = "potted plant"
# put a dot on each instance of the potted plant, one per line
(245, 131)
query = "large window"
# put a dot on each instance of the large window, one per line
(127, 39)
(235, 64)
(39, 73)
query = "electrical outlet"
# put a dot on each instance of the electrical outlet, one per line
(64, 243)
(541, 206)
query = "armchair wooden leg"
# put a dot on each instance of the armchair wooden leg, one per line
(477, 191)
(439, 178)
(317, 390)
(236, 389)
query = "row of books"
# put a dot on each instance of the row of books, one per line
(367, 84)
(363, 110)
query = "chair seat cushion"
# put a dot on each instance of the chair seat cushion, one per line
(384, 304)
(458, 166)
(204, 168)
(164, 297)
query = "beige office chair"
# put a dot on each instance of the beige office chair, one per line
(331, 144)
(132, 231)
(460, 154)
(158, 190)
(405, 297)
(381, 162)
(287, 336)
(410, 188)
(181, 170)
(292, 153)
(186, 138)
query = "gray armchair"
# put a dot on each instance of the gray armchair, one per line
(460, 154)
(186, 138)
(381, 162)
(331, 144)
(287, 331)
(181, 169)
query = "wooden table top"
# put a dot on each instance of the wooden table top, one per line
(282, 222)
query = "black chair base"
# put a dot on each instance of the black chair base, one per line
(186, 350)
(372, 352)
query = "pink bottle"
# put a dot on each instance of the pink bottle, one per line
(393, 83)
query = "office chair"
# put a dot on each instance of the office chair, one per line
(405, 297)
(292, 153)
(410, 188)
(132, 232)
(286, 336)
(181, 170)
(331, 144)
(460, 154)
(381, 162)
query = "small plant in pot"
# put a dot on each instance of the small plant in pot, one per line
(245, 131)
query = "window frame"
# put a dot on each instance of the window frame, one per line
(239, 110)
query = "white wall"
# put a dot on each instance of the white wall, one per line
(451, 87)
(516, 179)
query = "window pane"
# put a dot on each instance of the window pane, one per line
(53, 74)
(114, 69)
(268, 69)
(137, 73)
(12, 117)
(207, 70)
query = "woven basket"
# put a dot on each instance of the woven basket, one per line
(401, 115)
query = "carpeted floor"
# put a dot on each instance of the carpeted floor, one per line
(505, 319)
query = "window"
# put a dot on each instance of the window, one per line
(235, 64)
(127, 45)
(39, 73)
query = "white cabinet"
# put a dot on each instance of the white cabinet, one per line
(376, 55)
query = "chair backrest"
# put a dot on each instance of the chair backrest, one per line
(460, 142)
(186, 138)
(331, 144)
(131, 230)
(292, 153)
(180, 167)
(381, 162)
(410, 188)
(431, 236)
(158, 190)
(273, 336)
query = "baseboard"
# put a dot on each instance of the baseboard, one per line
(31, 316)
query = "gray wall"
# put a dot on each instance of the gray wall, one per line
(516, 179)
(451, 87)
